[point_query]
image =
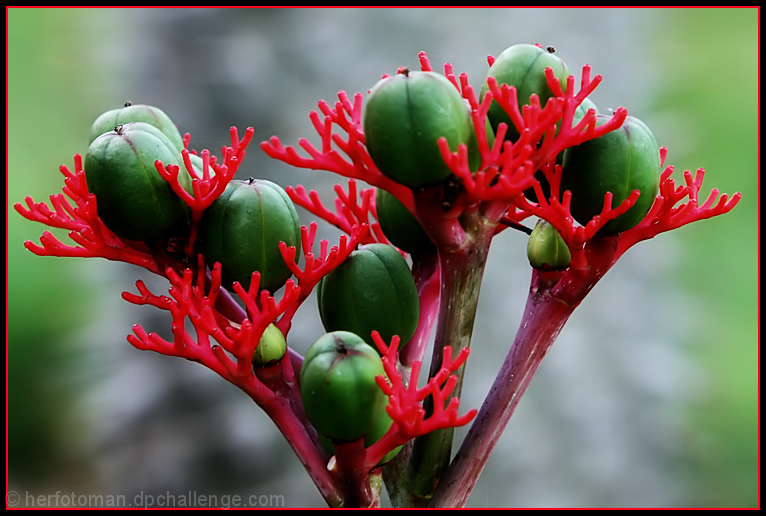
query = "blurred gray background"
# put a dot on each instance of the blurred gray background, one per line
(648, 398)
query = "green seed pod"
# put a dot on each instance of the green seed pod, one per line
(341, 398)
(133, 200)
(523, 66)
(271, 348)
(371, 290)
(546, 249)
(400, 226)
(242, 229)
(405, 116)
(620, 161)
(136, 113)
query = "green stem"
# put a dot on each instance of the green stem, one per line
(461, 273)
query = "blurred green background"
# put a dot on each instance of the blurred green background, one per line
(77, 392)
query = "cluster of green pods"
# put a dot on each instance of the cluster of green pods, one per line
(242, 229)
(132, 199)
(619, 162)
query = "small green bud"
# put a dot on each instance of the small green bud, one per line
(271, 348)
(546, 249)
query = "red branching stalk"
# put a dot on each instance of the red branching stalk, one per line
(94, 239)
(235, 342)
(349, 212)
(208, 186)
(358, 164)
(315, 267)
(405, 402)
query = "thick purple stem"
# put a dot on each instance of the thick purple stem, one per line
(552, 298)
(543, 319)
(294, 428)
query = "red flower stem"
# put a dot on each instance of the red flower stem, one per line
(425, 269)
(553, 296)
(544, 317)
(461, 273)
(354, 476)
(306, 447)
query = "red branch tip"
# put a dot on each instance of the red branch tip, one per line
(405, 403)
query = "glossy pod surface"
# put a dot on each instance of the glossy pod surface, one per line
(405, 116)
(137, 113)
(133, 200)
(621, 161)
(371, 290)
(242, 229)
(341, 398)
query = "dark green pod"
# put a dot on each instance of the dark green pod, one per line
(405, 116)
(371, 290)
(133, 200)
(546, 249)
(137, 113)
(271, 348)
(620, 161)
(242, 229)
(523, 66)
(400, 226)
(341, 398)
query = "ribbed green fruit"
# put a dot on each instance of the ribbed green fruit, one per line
(523, 66)
(620, 161)
(372, 289)
(400, 226)
(546, 250)
(136, 113)
(133, 200)
(271, 348)
(405, 116)
(242, 229)
(341, 398)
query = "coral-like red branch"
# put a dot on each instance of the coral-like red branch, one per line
(206, 185)
(349, 211)
(405, 402)
(357, 164)
(85, 228)
(315, 267)
(507, 168)
(665, 215)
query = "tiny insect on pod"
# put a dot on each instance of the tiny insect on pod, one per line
(339, 392)
(242, 230)
(619, 162)
(372, 289)
(523, 66)
(137, 113)
(406, 114)
(133, 200)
